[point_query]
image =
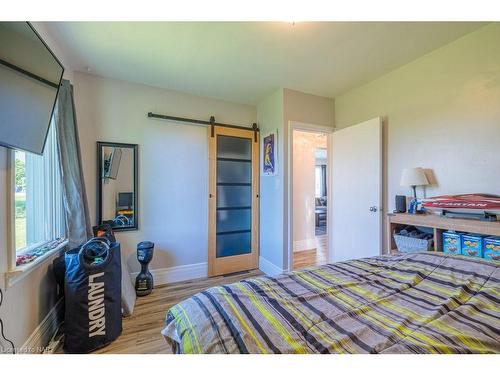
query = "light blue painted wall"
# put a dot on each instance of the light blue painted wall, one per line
(270, 118)
(274, 113)
(173, 161)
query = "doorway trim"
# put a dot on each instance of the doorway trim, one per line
(313, 128)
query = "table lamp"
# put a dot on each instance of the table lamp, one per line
(413, 177)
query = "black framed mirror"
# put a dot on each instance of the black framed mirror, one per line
(117, 185)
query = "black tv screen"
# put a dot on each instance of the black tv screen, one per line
(30, 76)
(125, 199)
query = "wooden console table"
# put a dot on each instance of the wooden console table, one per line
(438, 224)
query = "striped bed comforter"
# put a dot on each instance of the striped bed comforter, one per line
(413, 303)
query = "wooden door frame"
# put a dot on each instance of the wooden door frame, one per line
(313, 128)
(233, 263)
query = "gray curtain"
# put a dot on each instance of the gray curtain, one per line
(78, 228)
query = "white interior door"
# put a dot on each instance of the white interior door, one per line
(356, 186)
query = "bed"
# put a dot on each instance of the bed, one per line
(424, 302)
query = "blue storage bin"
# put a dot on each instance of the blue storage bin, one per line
(492, 248)
(472, 245)
(452, 243)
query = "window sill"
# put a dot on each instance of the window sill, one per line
(20, 272)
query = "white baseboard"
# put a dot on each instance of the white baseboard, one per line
(302, 245)
(270, 269)
(163, 276)
(38, 340)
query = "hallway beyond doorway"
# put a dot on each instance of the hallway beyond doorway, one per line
(309, 198)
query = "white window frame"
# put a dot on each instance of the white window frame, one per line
(16, 273)
(316, 179)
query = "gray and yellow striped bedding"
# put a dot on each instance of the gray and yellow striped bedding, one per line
(414, 303)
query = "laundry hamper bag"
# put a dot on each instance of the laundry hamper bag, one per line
(92, 290)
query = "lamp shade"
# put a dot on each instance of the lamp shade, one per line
(413, 177)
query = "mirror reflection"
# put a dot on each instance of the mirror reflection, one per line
(118, 185)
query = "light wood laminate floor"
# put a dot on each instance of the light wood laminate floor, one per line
(141, 331)
(313, 257)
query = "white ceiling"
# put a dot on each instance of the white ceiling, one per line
(244, 61)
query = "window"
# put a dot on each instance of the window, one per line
(320, 181)
(40, 223)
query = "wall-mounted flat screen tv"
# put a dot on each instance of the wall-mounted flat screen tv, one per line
(30, 76)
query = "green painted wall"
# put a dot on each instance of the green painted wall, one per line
(442, 112)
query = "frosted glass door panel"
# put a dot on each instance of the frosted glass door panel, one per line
(234, 196)
(234, 147)
(234, 172)
(233, 244)
(233, 220)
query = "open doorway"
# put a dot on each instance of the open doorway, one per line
(309, 200)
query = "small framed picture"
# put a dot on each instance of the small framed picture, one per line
(270, 154)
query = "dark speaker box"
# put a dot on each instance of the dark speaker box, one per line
(400, 203)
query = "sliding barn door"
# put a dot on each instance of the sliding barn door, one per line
(233, 201)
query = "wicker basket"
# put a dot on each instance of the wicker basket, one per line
(407, 244)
